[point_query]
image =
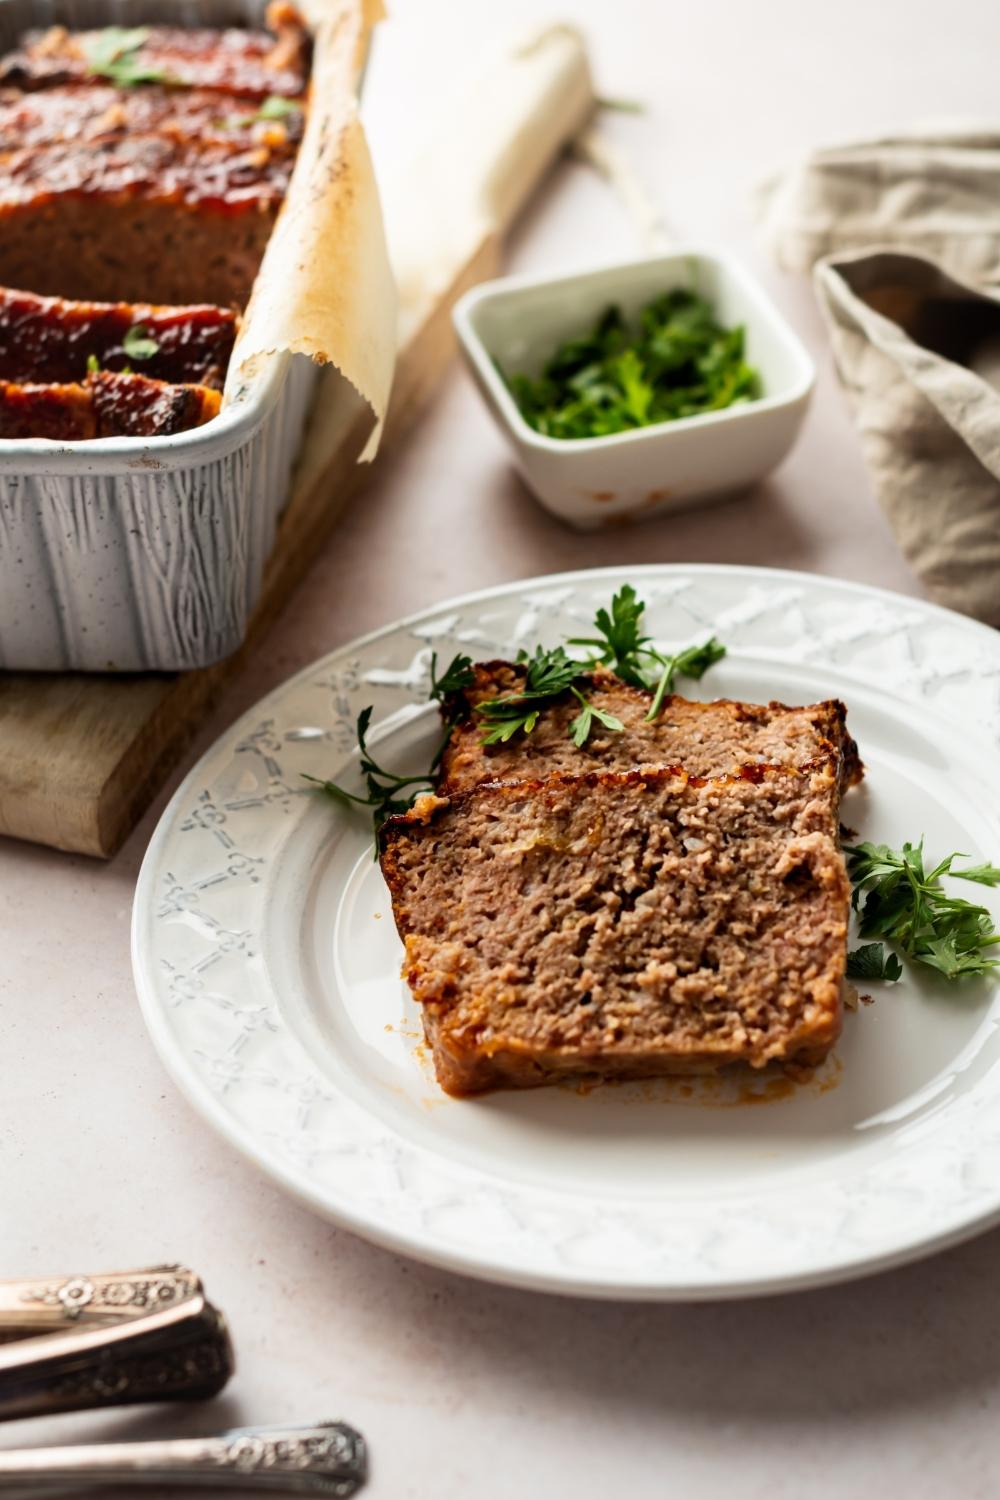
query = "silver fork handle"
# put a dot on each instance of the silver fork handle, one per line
(328, 1459)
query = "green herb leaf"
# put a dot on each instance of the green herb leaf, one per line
(386, 793)
(457, 675)
(93, 365)
(982, 874)
(903, 903)
(871, 961)
(619, 642)
(693, 661)
(274, 107)
(676, 361)
(548, 674)
(114, 53)
(138, 344)
(579, 729)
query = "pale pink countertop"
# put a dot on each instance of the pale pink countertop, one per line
(889, 1386)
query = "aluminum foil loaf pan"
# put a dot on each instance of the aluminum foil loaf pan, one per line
(136, 554)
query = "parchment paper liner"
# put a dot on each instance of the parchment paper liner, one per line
(325, 288)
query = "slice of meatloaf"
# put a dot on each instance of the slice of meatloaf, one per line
(99, 112)
(707, 739)
(253, 63)
(103, 405)
(51, 339)
(139, 217)
(622, 925)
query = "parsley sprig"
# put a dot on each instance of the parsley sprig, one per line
(457, 676)
(548, 674)
(903, 903)
(387, 793)
(621, 645)
(114, 53)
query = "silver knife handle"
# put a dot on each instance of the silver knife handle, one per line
(46, 1303)
(328, 1459)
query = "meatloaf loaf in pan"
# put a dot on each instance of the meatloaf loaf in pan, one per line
(136, 200)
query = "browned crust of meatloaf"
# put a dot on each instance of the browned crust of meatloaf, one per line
(154, 168)
(103, 405)
(623, 924)
(234, 60)
(706, 738)
(98, 112)
(51, 339)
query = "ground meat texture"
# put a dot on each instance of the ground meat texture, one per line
(623, 924)
(707, 739)
(100, 249)
(103, 405)
(51, 339)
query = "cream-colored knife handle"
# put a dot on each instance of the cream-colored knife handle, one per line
(46, 1303)
(499, 138)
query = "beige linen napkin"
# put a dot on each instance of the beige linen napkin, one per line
(906, 233)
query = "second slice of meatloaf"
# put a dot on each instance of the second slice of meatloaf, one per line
(707, 739)
(52, 339)
(622, 925)
(103, 405)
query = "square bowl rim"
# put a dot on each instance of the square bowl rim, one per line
(476, 351)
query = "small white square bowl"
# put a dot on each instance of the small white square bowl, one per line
(519, 321)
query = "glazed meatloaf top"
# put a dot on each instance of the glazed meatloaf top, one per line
(152, 168)
(256, 64)
(99, 112)
(707, 739)
(103, 405)
(46, 339)
(622, 923)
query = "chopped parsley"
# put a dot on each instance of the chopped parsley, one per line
(676, 361)
(114, 53)
(275, 108)
(138, 344)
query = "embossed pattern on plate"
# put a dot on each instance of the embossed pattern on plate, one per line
(267, 967)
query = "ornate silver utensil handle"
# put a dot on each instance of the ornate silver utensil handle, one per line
(46, 1303)
(178, 1353)
(328, 1459)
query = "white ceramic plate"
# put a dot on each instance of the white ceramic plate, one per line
(268, 970)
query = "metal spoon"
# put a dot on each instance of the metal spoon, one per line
(328, 1459)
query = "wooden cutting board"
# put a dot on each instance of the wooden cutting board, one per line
(82, 756)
